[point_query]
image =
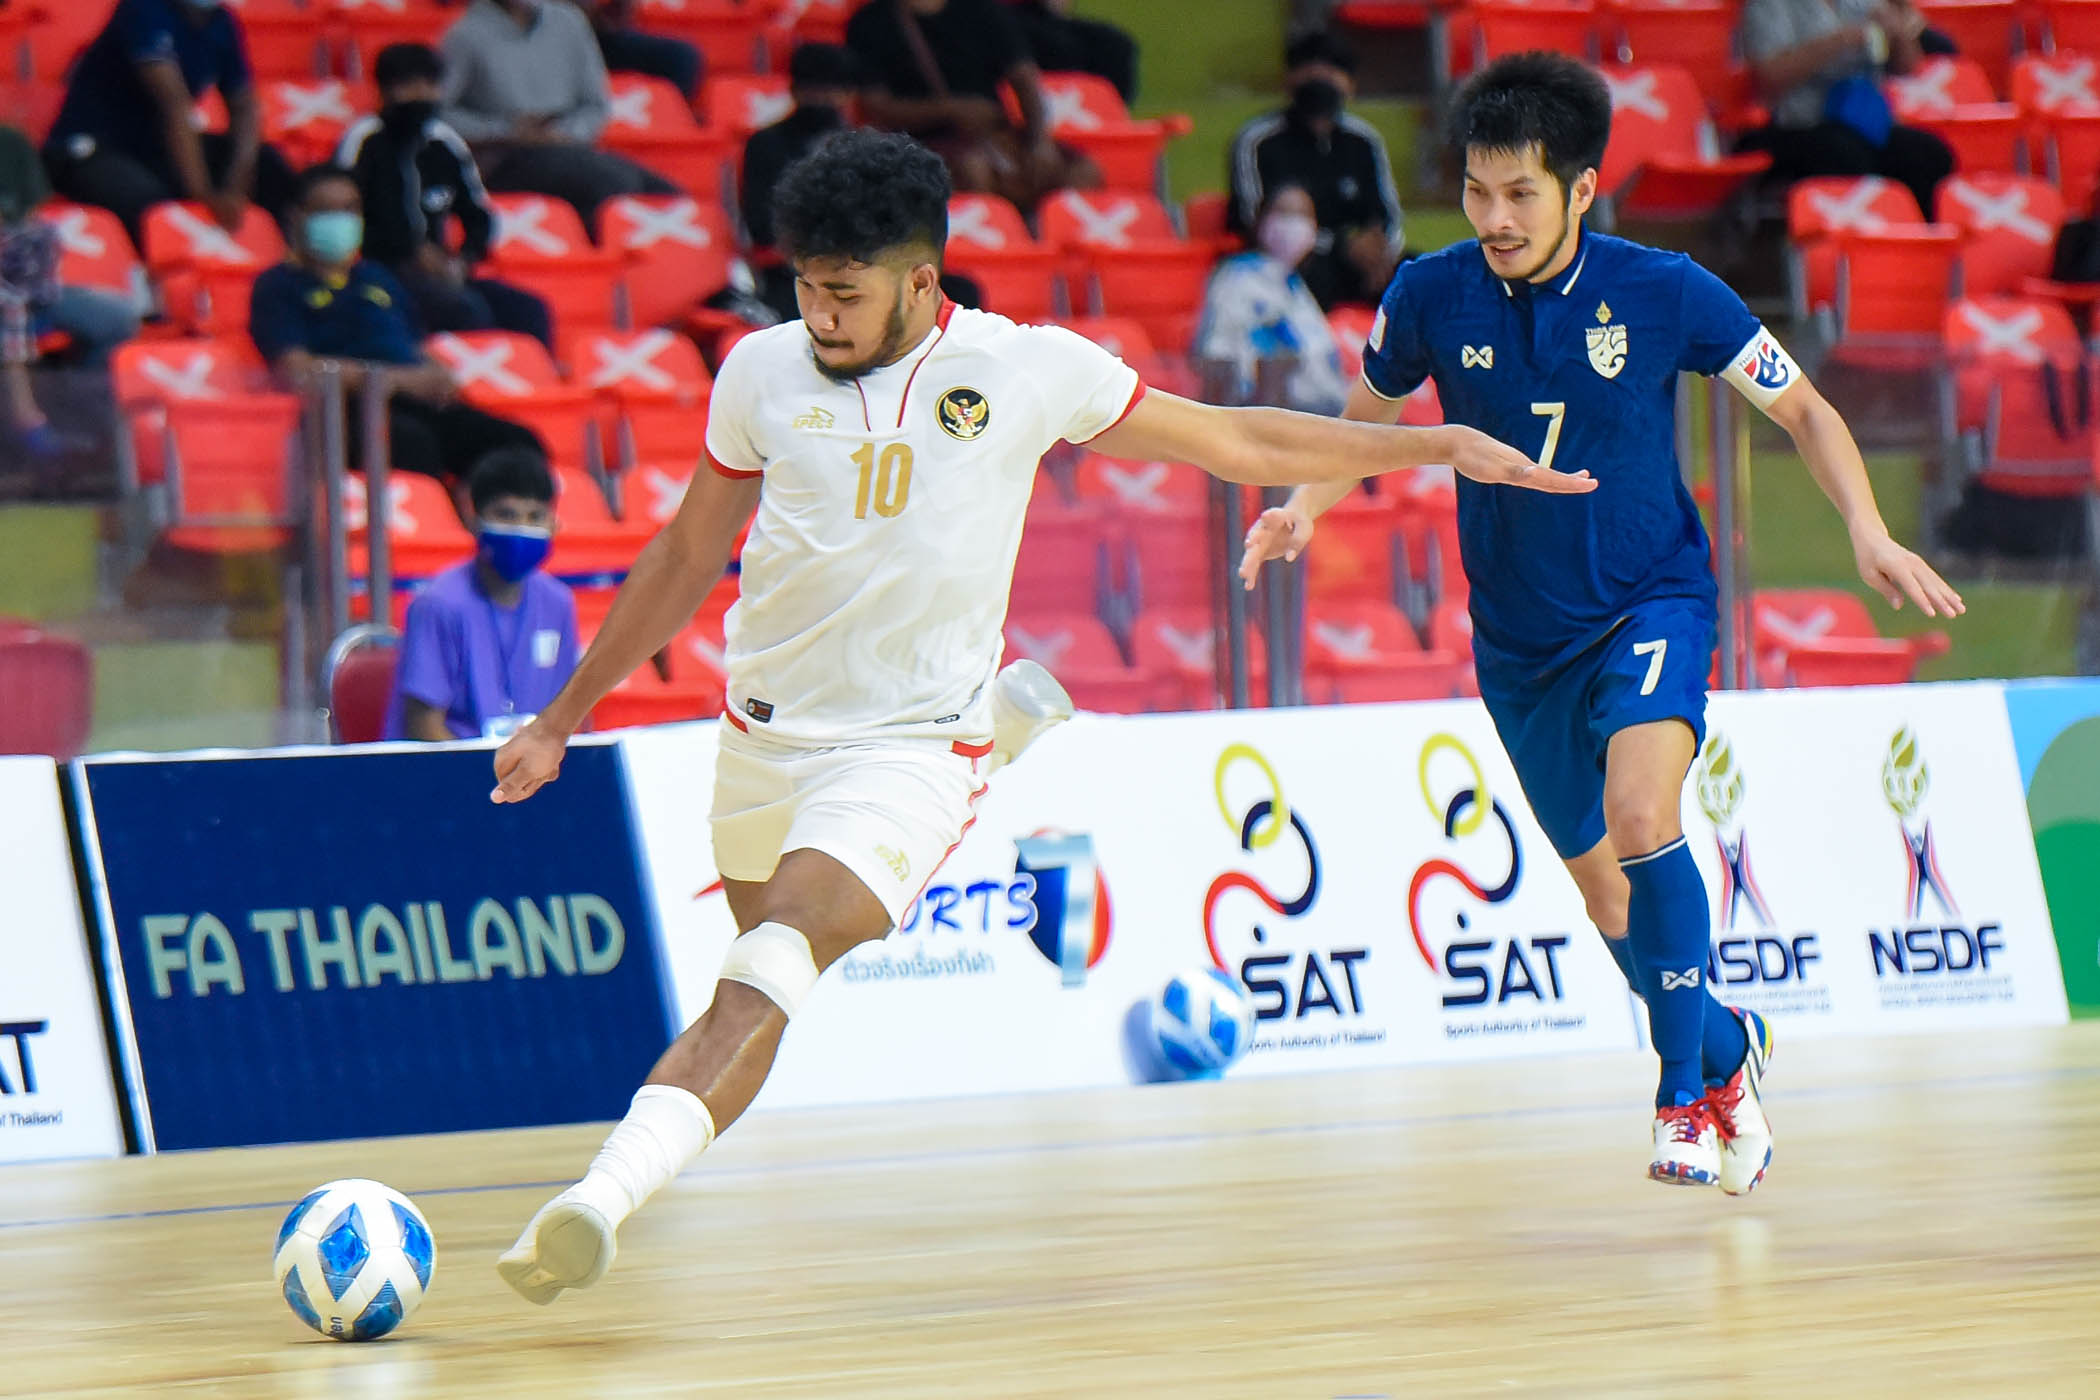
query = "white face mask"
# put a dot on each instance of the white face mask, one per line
(1288, 237)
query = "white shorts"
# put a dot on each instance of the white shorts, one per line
(889, 810)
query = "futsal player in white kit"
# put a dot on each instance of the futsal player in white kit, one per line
(889, 442)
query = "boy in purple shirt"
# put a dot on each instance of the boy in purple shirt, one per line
(492, 640)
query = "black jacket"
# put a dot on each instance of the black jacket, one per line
(1348, 176)
(414, 185)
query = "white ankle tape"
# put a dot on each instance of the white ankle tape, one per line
(778, 961)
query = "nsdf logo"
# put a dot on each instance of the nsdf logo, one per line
(1759, 965)
(1933, 956)
(1290, 974)
(1455, 902)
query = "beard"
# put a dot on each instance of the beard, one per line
(887, 352)
(1567, 231)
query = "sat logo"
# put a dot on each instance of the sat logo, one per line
(1283, 982)
(1476, 970)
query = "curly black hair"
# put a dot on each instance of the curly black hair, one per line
(861, 194)
(1558, 103)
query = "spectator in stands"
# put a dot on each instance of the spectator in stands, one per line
(418, 180)
(525, 83)
(1062, 44)
(492, 640)
(935, 67)
(1819, 64)
(327, 303)
(126, 137)
(94, 322)
(627, 49)
(1340, 159)
(1259, 309)
(825, 81)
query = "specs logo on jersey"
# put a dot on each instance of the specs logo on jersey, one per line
(1607, 344)
(965, 414)
(1476, 357)
(815, 418)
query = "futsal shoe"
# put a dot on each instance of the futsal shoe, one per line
(566, 1245)
(1026, 701)
(1739, 1111)
(1687, 1144)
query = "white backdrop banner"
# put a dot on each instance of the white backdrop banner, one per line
(1870, 862)
(57, 1098)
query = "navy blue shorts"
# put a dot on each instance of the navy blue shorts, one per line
(1653, 666)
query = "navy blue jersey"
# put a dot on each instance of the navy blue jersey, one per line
(108, 101)
(1581, 373)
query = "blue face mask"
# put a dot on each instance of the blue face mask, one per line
(514, 551)
(335, 237)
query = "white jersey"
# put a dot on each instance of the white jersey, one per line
(875, 578)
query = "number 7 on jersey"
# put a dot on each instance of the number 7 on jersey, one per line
(1555, 414)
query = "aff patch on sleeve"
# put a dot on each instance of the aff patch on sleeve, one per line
(1377, 339)
(1762, 370)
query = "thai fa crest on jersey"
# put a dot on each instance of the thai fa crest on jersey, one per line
(1607, 344)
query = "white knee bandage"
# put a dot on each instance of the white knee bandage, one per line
(777, 960)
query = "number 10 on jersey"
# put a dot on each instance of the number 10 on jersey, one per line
(885, 480)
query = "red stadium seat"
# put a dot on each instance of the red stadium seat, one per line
(1066, 559)
(2018, 369)
(205, 272)
(1665, 157)
(589, 540)
(1429, 675)
(1892, 290)
(360, 672)
(1352, 332)
(511, 375)
(306, 117)
(2009, 225)
(1356, 636)
(1826, 636)
(1698, 35)
(424, 535)
(361, 29)
(31, 104)
(651, 125)
(95, 251)
(647, 698)
(729, 33)
(1182, 650)
(1952, 98)
(1078, 650)
(1172, 562)
(1937, 87)
(2073, 145)
(2042, 84)
(1086, 112)
(1984, 31)
(282, 40)
(46, 693)
(1820, 209)
(678, 253)
(1127, 340)
(1351, 558)
(741, 103)
(638, 376)
(1516, 26)
(2070, 25)
(58, 33)
(651, 492)
(989, 244)
(1142, 488)
(229, 472)
(1208, 217)
(540, 245)
(150, 374)
(1139, 265)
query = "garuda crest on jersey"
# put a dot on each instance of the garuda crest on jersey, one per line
(965, 414)
(1607, 344)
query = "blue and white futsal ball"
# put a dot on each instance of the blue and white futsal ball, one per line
(1202, 1024)
(354, 1259)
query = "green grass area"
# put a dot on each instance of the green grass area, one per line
(179, 695)
(47, 561)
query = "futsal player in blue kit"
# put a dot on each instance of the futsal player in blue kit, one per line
(1594, 616)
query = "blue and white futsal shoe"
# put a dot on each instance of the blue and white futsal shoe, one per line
(1687, 1144)
(1739, 1111)
(1027, 701)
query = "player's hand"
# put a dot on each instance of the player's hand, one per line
(1282, 533)
(528, 761)
(1475, 455)
(1896, 573)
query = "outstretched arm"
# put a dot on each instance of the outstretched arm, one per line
(1284, 531)
(1276, 447)
(1833, 459)
(669, 580)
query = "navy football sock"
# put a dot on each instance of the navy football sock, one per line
(1723, 1042)
(1667, 926)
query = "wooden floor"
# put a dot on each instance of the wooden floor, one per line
(1931, 1227)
